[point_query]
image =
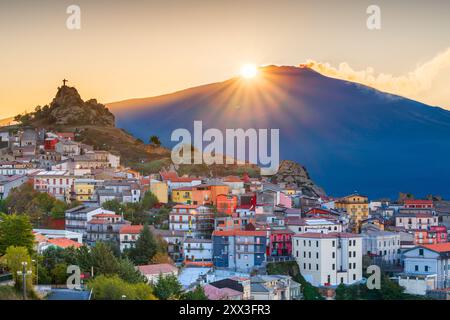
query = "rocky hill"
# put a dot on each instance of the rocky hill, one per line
(291, 173)
(68, 109)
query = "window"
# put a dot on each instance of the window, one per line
(304, 266)
(334, 266)
(420, 252)
(426, 268)
(333, 243)
(349, 265)
(354, 277)
(333, 255)
(416, 268)
(317, 267)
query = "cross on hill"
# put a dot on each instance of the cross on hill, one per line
(64, 82)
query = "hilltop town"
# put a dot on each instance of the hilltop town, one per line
(70, 199)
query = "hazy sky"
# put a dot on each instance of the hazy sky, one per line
(130, 49)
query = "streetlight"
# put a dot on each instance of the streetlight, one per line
(124, 297)
(24, 273)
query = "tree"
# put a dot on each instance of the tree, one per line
(58, 210)
(197, 294)
(168, 288)
(154, 140)
(161, 257)
(15, 230)
(103, 259)
(59, 274)
(128, 272)
(113, 205)
(149, 200)
(114, 288)
(145, 248)
(13, 258)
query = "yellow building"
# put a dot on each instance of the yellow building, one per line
(84, 190)
(160, 190)
(182, 195)
(356, 206)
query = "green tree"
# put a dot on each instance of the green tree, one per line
(113, 205)
(13, 258)
(149, 200)
(154, 140)
(145, 248)
(128, 272)
(103, 259)
(58, 210)
(15, 230)
(197, 294)
(59, 273)
(168, 288)
(115, 288)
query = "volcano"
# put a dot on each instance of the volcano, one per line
(349, 136)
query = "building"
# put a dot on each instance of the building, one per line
(197, 250)
(280, 243)
(313, 224)
(153, 271)
(433, 235)
(68, 148)
(78, 217)
(182, 195)
(238, 284)
(416, 219)
(195, 220)
(356, 206)
(58, 183)
(174, 181)
(84, 190)
(328, 259)
(426, 267)
(418, 204)
(239, 250)
(104, 227)
(128, 235)
(214, 293)
(226, 204)
(274, 287)
(382, 246)
(7, 183)
(160, 190)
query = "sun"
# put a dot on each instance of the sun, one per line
(249, 71)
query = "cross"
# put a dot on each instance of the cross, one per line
(64, 82)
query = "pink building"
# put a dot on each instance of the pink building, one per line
(280, 243)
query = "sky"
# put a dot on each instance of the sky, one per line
(132, 49)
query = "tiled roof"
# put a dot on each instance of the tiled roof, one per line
(156, 269)
(134, 229)
(239, 233)
(331, 235)
(64, 243)
(439, 247)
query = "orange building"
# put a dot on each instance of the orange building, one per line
(226, 203)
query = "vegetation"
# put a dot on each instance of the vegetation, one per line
(15, 230)
(154, 140)
(114, 288)
(13, 259)
(145, 248)
(168, 288)
(197, 294)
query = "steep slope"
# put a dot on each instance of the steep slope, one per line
(350, 137)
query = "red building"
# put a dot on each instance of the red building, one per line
(50, 143)
(226, 203)
(280, 243)
(433, 235)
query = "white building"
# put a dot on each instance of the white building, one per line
(382, 244)
(153, 271)
(426, 268)
(77, 218)
(319, 225)
(416, 221)
(57, 183)
(7, 183)
(328, 259)
(128, 236)
(197, 249)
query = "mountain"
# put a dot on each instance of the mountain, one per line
(349, 136)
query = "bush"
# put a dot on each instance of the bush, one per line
(114, 288)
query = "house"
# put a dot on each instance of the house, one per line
(418, 204)
(432, 235)
(274, 287)
(197, 250)
(416, 219)
(328, 259)
(58, 183)
(356, 206)
(226, 204)
(195, 220)
(426, 268)
(235, 184)
(383, 246)
(104, 227)
(240, 250)
(160, 190)
(153, 271)
(128, 234)
(214, 293)
(237, 284)
(78, 217)
(174, 181)
(280, 242)
(68, 148)
(42, 237)
(313, 224)
(84, 190)
(7, 183)
(174, 240)
(182, 195)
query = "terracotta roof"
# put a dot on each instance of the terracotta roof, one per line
(107, 215)
(135, 229)
(409, 201)
(64, 243)
(183, 189)
(232, 179)
(156, 269)
(214, 293)
(186, 206)
(439, 247)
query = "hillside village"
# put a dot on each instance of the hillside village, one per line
(235, 237)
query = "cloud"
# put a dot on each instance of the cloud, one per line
(428, 83)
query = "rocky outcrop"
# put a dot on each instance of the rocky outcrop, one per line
(68, 109)
(290, 173)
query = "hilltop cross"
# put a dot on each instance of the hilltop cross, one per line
(64, 82)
